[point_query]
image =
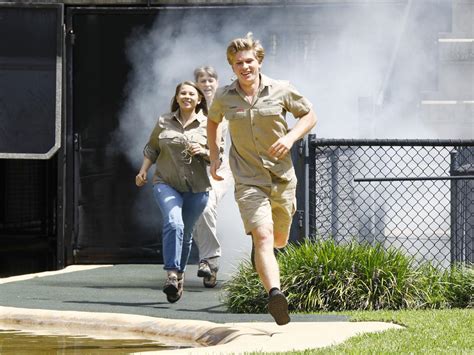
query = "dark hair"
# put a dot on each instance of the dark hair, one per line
(200, 106)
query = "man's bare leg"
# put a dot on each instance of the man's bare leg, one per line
(269, 273)
(265, 261)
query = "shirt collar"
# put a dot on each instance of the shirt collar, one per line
(264, 82)
(175, 114)
(198, 117)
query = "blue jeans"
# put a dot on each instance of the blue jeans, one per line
(180, 211)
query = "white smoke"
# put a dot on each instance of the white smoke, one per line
(333, 54)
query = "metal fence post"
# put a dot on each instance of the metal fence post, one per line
(298, 228)
(312, 186)
(454, 215)
(334, 194)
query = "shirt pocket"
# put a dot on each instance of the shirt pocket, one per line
(168, 134)
(197, 136)
(235, 115)
(270, 111)
(172, 138)
(239, 125)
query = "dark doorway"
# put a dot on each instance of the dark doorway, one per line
(107, 223)
(114, 221)
(111, 216)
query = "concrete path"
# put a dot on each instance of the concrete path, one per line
(128, 299)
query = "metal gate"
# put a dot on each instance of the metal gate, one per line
(408, 194)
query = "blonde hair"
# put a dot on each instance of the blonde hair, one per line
(245, 44)
(200, 106)
(206, 70)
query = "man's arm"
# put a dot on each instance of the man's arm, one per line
(213, 142)
(283, 145)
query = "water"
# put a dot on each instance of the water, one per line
(23, 342)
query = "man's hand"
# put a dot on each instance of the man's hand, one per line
(215, 165)
(281, 147)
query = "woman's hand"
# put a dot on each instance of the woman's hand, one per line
(196, 149)
(141, 178)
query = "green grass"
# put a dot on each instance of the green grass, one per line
(447, 331)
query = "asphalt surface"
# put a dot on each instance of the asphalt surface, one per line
(129, 289)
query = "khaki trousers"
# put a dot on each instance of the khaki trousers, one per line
(205, 230)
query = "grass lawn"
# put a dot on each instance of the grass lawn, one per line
(448, 331)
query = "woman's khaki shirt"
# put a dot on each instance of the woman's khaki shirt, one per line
(167, 148)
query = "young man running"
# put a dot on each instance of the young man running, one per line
(265, 181)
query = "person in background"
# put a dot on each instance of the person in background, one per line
(178, 148)
(205, 231)
(265, 181)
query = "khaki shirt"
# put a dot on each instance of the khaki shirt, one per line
(255, 127)
(167, 148)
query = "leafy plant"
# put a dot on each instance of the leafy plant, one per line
(245, 293)
(319, 275)
(460, 286)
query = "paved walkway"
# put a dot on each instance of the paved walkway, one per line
(128, 298)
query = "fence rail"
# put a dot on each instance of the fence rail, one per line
(416, 195)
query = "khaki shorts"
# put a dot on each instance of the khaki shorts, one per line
(260, 205)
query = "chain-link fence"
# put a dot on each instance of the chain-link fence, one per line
(413, 195)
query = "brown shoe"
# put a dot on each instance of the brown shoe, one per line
(278, 307)
(210, 281)
(172, 288)
(204, 269)
(180, 289)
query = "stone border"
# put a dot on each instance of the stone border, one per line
(201, 337)
(185, 332)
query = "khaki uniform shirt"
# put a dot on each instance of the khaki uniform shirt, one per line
(255, 127)
(167, 148)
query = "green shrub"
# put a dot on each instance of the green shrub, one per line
(451, 288)
(245, 291)
(460, 286)
(323, 276)
(432, 284)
